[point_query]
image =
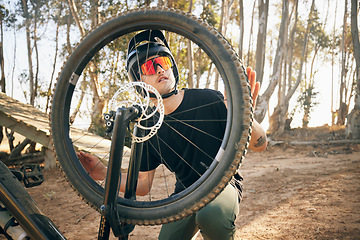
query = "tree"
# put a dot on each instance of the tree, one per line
(98, 100)
(293, 65)
(278, 118)
(7, 19)
(75, 15)
(348, 70)
(57, 20)
(3, 13)
(307, 103)
(342, 111)
(241, 25)
(319, 42)
(26, 14)
(261, 39)
(333, 45)
(249, 54)
(190, 56)
(263, 100)
(353, 123)
(224, 18)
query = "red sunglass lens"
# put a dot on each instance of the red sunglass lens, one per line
(149, 67)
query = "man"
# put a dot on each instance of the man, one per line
(187, 155)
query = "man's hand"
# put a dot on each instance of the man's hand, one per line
(258, 140)
(255, 86)
(92, 165)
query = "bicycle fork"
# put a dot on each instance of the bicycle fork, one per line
(109, 213)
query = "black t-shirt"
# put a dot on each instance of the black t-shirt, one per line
(189, 138)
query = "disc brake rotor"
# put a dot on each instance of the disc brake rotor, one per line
(137, 94)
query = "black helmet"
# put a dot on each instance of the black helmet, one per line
(144, 45)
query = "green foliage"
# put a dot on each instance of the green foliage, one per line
(307, 101)
(110, 69)
(211, 12)
(7, 18)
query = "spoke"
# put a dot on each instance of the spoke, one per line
(189, 142)
(160, 154)
(198, 107)
(164, 162)
(199, 130)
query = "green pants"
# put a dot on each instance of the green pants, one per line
(215, 221)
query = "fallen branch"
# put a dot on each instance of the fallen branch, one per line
(314, 143)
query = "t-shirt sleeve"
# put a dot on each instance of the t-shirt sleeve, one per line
(220, 95)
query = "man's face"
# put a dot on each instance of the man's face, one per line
(162, 80)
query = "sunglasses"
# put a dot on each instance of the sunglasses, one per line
(149, 67)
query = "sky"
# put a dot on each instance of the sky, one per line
(320, 116)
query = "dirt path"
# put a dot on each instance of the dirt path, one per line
(290, 192)
(297, 193)
(301, 193)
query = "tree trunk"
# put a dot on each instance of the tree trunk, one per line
(333, 113)
(55, 59)
(95, 13)
(75, 15)
(68, 28)
(278, 118)
(190, 56)
(36, 77)
(291, 48)
(241, 24)
(263, 100)
(341, 111)
(2, 80)
(14, 61)
(249, 62)
(261, 39)
(222, 30)
(353, 119)
(29, 51)
(304, 53)
(98, 100)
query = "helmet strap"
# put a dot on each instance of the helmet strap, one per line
(173, 92)
(166, 95)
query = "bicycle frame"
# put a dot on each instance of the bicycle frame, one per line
(109, 217)
(24, 209)
(16, 199)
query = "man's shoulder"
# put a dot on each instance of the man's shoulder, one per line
(202, 92)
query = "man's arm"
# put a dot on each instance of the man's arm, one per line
(145, 181)
(258, 140)
(98, 171)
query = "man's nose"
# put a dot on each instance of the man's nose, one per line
(159, 69)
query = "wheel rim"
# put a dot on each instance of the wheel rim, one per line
(130, 209)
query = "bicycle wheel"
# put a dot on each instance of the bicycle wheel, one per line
(93, 55)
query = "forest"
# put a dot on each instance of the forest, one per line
(307, 58)
(287, 42)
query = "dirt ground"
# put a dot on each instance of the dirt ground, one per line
(292, 191)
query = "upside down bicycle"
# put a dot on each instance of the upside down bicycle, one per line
(220, 69)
